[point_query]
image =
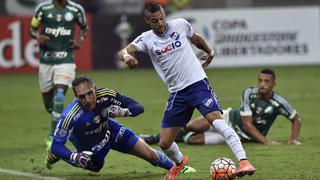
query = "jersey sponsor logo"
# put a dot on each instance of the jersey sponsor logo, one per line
(68, 16)
(168, 48)
(55, 54)
(175, 36)
(98, 130)
(103, 142)
(60, 31)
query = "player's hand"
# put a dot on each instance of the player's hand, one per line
(117, 111)
(207, 60)
(294, 141)
(132, 62)
(273, 142)
(76, 43)
(82, 159)
(42, 39)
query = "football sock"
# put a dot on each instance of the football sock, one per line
(180, 135)
(163, 161)
(232, 139)
(58, 102)
(174, 153)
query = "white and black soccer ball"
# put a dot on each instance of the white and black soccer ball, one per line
(223, 168)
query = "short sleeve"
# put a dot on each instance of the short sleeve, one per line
(140, 43)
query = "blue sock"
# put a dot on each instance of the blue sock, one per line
(163, 161)
(58, 103)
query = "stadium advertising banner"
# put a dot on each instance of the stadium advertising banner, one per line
(259, 36)
(20, 53)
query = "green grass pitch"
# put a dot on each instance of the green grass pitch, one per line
(24, 125)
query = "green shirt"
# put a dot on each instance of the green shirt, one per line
(59, 25)
(263, 113)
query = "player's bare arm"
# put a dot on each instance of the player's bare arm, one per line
(34, 33)
(200, 43)
(248, 126)
(296, 125)
(77, 42)
(127, 55)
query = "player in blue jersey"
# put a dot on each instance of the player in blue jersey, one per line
(88, 123)
(260, 107)
(168, 44)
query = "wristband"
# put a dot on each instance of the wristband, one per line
(126, 55)
(211, 54)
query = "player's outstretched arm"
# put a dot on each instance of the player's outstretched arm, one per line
(127, 55)
(296, 125)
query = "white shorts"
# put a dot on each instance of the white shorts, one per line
(50, 75)
(211, 136)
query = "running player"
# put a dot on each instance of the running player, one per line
(168, 46)
(56, 20)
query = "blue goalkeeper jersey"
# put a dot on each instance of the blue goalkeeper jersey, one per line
(84, 128)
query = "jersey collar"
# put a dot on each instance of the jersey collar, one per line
(162, 34)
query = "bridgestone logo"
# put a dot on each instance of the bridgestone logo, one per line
(61, 31)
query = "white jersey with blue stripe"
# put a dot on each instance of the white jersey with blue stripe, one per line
(172, 55)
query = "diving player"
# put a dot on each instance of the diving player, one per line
(88, 123)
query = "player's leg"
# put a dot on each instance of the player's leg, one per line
(209, 107)
(155, 157)
(62, 78)
(177, 114)
(199, 124)
(46, 87)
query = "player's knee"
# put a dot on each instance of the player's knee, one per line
(196, 139)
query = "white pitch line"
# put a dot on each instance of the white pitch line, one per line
(19, 173)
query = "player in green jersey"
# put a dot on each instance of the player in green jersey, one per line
(260, 107)
(53, 26)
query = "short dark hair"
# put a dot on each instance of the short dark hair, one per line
(80, 80)
(152, 7)
(270, 72)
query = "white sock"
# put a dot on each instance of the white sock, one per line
(231, 137)
(174, 153)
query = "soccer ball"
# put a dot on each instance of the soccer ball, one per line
(223, 169)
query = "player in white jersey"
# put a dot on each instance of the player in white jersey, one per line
(168, 45)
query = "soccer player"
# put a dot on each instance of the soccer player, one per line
(56, 20)
(167, 44)
(88, 123)
(260, 107)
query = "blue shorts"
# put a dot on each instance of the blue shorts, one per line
(181, 104)
(121, 139)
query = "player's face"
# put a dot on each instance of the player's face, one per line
(265, 84)
(86, 95)
(156, 21)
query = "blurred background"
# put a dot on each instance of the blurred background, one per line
(243, 33)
